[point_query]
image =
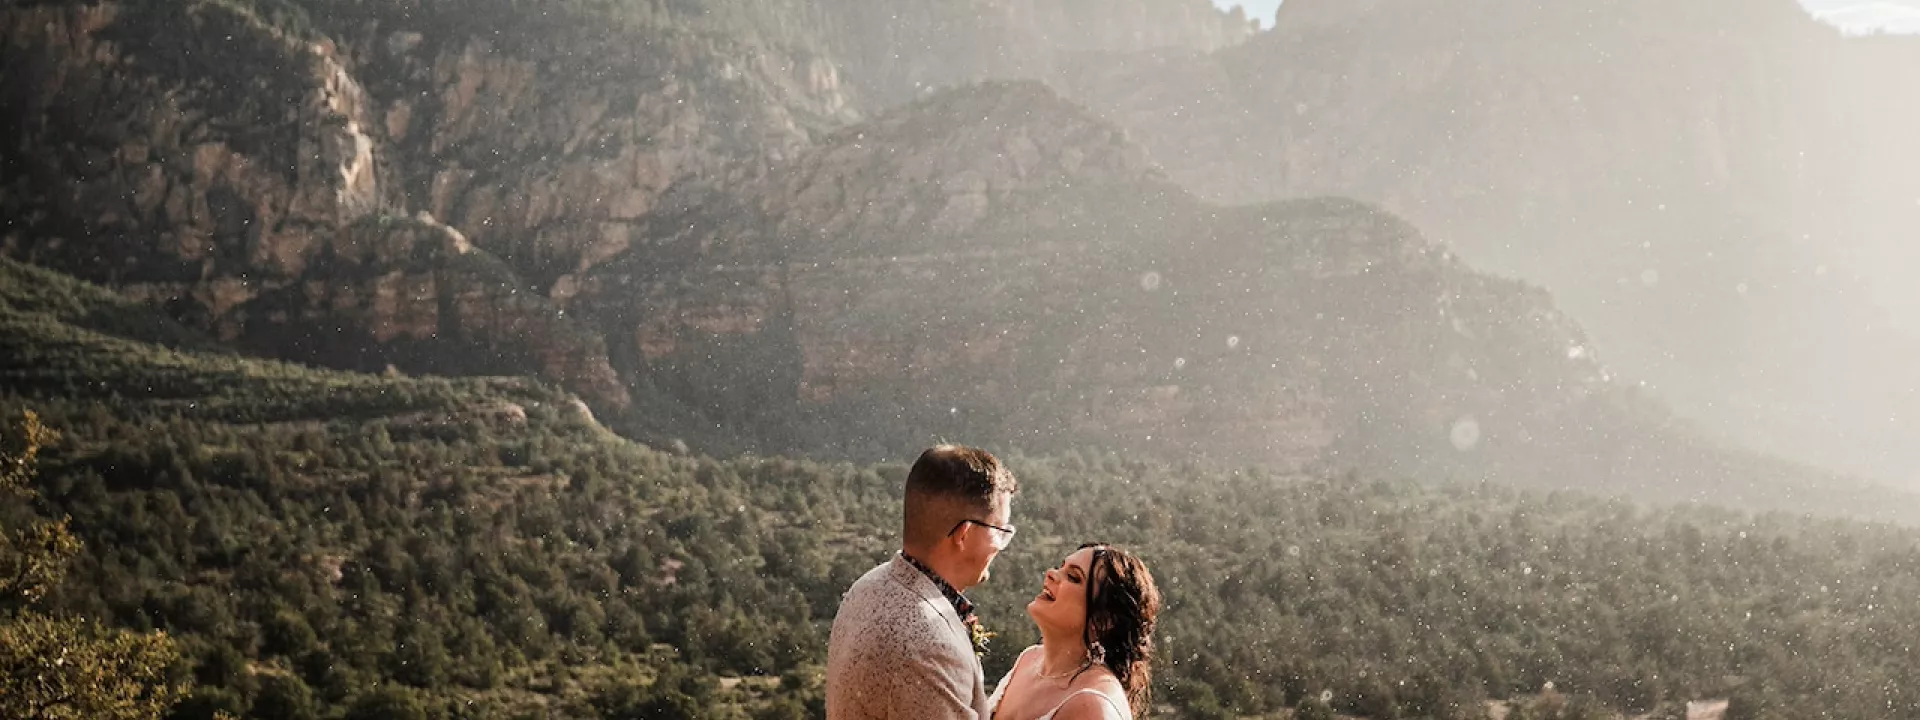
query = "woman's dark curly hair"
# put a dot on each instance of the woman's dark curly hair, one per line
(1122, 604)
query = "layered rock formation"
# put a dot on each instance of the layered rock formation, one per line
(206, 155)
(1023, 273)
(546, 143)
(167, 146)
(415, 294)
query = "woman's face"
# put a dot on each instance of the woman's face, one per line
(1061, 605)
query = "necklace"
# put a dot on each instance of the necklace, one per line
(1054, 676)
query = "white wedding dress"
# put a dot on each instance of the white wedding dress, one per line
(993, 701)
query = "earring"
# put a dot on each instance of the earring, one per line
(1096, 654)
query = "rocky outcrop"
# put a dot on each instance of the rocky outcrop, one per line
(546, 144)
(157, 145)
(416, 294)
(205, 155)
(219, 157)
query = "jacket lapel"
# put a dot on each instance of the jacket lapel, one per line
(911, 577)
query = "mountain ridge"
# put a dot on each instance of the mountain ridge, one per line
(1047, 310)
(481, 207)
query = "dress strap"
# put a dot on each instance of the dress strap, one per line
(1083, 691)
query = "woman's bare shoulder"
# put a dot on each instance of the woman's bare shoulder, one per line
(1032, 651)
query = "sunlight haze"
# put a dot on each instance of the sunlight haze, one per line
(1894, 16)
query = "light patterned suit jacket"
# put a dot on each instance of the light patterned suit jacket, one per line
(900, 652)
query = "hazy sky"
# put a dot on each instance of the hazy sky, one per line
(1856, 15)
(1866, 15)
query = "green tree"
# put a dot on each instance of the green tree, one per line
(1311, 708)
(1198, 699)
(283, 697)
(391, 703)
(55, 668)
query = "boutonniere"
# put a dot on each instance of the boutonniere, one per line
(980, 635)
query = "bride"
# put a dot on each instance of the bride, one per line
(1095, 613)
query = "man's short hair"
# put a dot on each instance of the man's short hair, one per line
(947, 481)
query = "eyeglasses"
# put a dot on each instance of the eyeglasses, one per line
(1001, 537)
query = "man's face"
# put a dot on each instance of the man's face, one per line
(982, 544)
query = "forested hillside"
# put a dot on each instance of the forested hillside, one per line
(350, 545)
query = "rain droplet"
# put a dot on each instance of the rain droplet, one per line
(1293, 550)
(1649, 277)
(1150, 281)
(1233, 341)
(1326, 696)
(1741, 288)
(1179, 363)
(1466, 433)
(1576, 352)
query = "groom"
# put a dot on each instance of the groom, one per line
(902, 645)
